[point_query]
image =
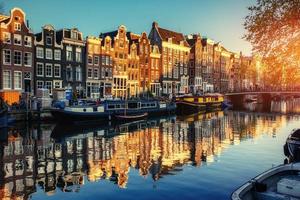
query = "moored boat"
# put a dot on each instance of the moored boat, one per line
(191, 104)
(281, 182)
(292, 146)
(214, 101)
(111, 109)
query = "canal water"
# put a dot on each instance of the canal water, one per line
(202, 156)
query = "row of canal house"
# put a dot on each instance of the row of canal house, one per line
(118, 63)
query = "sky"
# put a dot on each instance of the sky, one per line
(220, 20)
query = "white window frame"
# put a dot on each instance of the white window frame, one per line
(39, 50)
(20, 86)
(51, 67)
(90, 72)
(78, 69)
(97, 74)
(29, 53)
(10, 79)
(47, 56)
(78, 58)
(57, 54)
(28, 39)
(54, 84)
(37, 84)
(51, 86)
(17, 26)
(20, 58)
(59, 70)
(6, 63)
(37, 68)
(18, 36)
(5, 34)
(90, 58)
(47, 41)
(96, 63)
(69, 49)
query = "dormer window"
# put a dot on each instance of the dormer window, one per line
(74, 35)
(49, 40)
(17, 26)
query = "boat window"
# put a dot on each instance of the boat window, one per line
(111, 106)
(118, 106)
(132, 105)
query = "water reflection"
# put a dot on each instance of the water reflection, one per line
(287, 106)
(39, 156)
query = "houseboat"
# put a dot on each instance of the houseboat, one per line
(192, 104)
(113, 110)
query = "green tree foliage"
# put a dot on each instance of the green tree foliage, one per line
(273, 28)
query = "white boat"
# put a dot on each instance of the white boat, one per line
(280, 183)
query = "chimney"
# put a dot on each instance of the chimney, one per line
(27, 23)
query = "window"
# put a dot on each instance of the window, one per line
(96, 60)
(17, 26)
(103, 60)
(40, 84)
(74, 35)
(69, 53)
(39, 52)
(57, 54)
(6, 38)
(69, 73)
(102, 72)
(78, 54)
(49, 40)
(90, 71)
(48, 85)
(57, 84)
(78, 74)
(6, 79)
(27, 41)
(17, 39)
(56, 70)
(40, 69)
(96, 73)
(106, 60)
(48, 53)
(27, 75)
(6, 56)
(90, 60)
(18, 80)
(48, 70)
(17, 57)
(27, 59)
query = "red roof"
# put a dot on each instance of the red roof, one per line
(176, 37)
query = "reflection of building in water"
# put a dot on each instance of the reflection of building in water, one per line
(156, 148)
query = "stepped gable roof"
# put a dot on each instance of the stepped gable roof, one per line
(176, 37)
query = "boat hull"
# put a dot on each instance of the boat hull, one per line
(63, 115)
(189, 108)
